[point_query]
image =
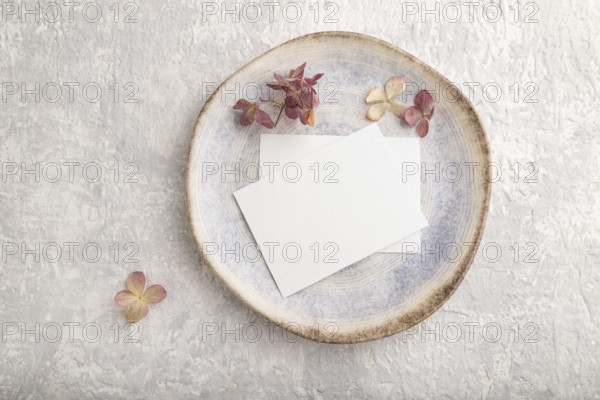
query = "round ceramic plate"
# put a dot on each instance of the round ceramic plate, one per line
(384, 293)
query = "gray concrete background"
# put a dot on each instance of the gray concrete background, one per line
(528, 319)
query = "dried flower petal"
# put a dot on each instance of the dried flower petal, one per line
(264, 119)
(292, 112)
(298, 72)
(376, 111)
(303, 118)
(376, 95)
(248, 116)
(307, 117)
(280, 79)
(125, 298)
(412, 115)
(311, 117)
(423, 127)
(315, 100)
(275, 86)
(136, 312)
(136, 283)
(154, 294)
(394, 86)
(292, 101)
(306, 96)
(241, 104)
(424, 102)
(398, 109)
(314, 79)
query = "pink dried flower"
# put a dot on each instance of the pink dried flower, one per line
(299, 101)
(252, 112)
(136, 298)
(421, 113)
(300, 96)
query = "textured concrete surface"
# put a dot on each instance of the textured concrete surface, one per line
(528, 319)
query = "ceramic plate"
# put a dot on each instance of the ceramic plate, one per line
(384, 293)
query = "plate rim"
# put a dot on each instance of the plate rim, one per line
(393, 325)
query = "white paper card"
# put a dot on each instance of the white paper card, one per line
(281, 149)
(310, 225)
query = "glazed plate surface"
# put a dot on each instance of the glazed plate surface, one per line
(384, 293)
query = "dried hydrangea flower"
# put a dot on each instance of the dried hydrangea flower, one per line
(136, 298)
(382, 100)
(300, 96)
(252, 112)
(421, 112)
(299, 101)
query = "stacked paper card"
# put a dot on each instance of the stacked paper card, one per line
(330, 201)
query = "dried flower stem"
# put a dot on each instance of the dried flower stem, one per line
(281, 107)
